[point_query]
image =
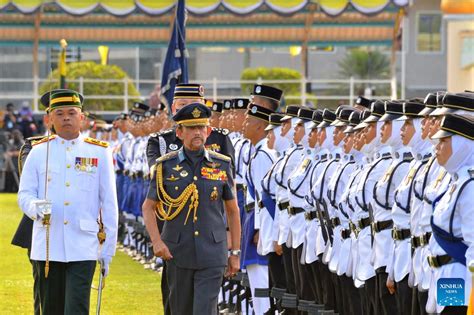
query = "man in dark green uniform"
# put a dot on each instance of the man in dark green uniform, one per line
(188, 191)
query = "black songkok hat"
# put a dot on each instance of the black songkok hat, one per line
(291, 111)
(240, 103)
(274, 121)
(193, 91)
(267, 91)
(259, 112)
(217, 107)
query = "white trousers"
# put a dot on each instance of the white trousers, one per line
(258, 278)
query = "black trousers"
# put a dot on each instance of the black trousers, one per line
(276, 271)
(329, 295)
(418, 302)
(67, 288)
(193, 291)
(372, 297)
(351, 297)
(287, 265)
(303, 289)
(317, 280)
(403, 296)
(165, 291)
(387, 301)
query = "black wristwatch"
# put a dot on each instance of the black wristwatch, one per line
(234, 252)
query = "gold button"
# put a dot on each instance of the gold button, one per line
(62, 142)
(73, 142)
(68, 165)
(68, 184)
(68, 149)
(66, 222)
(196, 233)
(49, 179)
(195, 178)
(176, 188)
(66, 203)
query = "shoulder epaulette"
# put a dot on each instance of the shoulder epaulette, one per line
(167, 156)
(97, 142)
(43, 140)
(219, 156)
(224, 131)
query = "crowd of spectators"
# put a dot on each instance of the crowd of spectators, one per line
(15, 126)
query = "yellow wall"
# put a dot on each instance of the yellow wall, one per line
(459, 79)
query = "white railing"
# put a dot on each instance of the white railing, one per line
(214, 89)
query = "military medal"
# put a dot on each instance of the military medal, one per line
(172, 178)
(183, 174)
(177, 168)
(214, 194)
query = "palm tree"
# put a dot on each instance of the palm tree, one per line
(366, 65)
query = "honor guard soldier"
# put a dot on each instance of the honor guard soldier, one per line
(226, 117)
(70, 232)
(216, 114)
(188, 192)
(451, 245)
(239, 108)
(399, 263)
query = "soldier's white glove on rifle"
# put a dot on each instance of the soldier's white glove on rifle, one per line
(105, 262)
(42, 207)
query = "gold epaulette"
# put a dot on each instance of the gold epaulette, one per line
(97, 142)
(167, 156)
(43, 140)
(219, 156)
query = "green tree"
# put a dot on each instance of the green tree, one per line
(92, 70)
(366, 65)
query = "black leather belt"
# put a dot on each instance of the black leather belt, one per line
(400, 235)
(249, 207)
(335, 222)
(139, 174)
(119, 172)
(240, 186)
(438, 261)
(260, 204)
(353, 227)
(294, 210)
(363, 223)
(422, 240)
(346, 233)
(283, 205)
(379, 226)
(310, 215)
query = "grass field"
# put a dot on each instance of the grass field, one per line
(129, 288)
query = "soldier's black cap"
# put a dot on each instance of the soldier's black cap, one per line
(343, 112)
(412, 109)
(365, 102)
(140, 107)
(439, 103)
(363, 116)
(123, 116)
(217, 107)
(61, 97)
(431, 101)
(354, 120)
(161, 106)
(195, 114)
(193, 91)
(453, 102)
(267, 91)
(377, 111)
(259, 112)
(453, 124)
(274, 121)
(227, 104)
(328, 117)
(240, 103)
(393, 110)
(304, 114)
(316, 119)
(291, 112)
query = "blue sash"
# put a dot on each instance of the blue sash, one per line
(269, 203)
(453, 246)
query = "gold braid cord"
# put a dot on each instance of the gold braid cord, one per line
(175, 205)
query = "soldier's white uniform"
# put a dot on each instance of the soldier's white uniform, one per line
(81, 183)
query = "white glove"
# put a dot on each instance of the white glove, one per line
(42, 207)
(104, 261)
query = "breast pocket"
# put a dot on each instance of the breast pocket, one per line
(86, 181)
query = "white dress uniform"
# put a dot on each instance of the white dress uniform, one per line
(426, 176)
(399, 264)
(81, 183)
(270, 185)
(293, 158)
(261, 163)
(383, 202)
(344, 266)
(438, 186)
(453, 212)
(335, 189)
(298, 188)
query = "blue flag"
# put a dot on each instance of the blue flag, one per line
(175, 69)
